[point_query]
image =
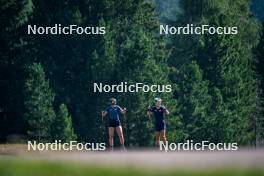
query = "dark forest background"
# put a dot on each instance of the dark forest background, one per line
(46, 81)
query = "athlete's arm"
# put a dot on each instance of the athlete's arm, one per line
(122, 111)
(149, 111)
(167, 112)
(104, 113)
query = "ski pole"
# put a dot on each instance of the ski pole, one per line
(125, 119)
(102, 116)
(149, 113)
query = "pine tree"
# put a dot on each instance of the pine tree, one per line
(39, 113)
(140, 57)
(62, 126)
(14, 15)
(194, 104)
(64, 57)
(229, 67)
(259, 117)
(226, 62)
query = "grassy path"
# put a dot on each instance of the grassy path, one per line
(16, 160)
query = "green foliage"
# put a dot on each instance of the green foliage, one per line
(259, 116)
(194, 104)
(62, 125)
(13, 167)
(13, 14)
(139, 56)
(216, 89)
(227, 65)
(39, 113)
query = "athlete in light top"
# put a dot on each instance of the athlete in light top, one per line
(159, 112)
(113, 112)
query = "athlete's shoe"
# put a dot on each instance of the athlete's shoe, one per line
(111, 149)
(123, 148)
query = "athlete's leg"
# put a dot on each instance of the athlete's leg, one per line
(111, 131)
(157, 138)
(121, 137)
(120, 134)
(163, 136)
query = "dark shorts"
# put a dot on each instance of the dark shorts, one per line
(160, 126)
(114, 123)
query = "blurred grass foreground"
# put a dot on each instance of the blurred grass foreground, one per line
(15, 160)
(18, 167)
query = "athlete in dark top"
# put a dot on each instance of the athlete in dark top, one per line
(159, 112)
(113, 112)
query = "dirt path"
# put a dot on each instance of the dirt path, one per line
(153, 159)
